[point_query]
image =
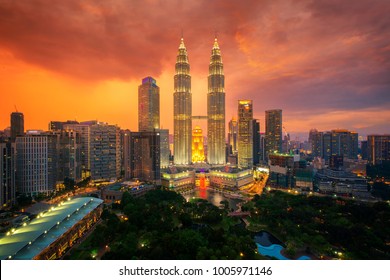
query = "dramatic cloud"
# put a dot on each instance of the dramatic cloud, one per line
(310, 58)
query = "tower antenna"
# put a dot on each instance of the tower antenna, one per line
(16, 108)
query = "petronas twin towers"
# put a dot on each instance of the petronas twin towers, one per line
(182, 113)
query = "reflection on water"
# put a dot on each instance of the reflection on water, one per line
(213, 197)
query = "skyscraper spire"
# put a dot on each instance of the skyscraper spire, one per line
(216, 108)
(182, 111)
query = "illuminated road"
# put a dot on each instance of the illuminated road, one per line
(257, 187)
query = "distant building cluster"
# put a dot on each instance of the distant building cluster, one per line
(339, 142)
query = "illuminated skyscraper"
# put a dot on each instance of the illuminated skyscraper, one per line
(216, 108)
(245, 134)
(232, 135)
(273, 132)
(148, 105)
(182, 112)
(197, 145)
(164, 147)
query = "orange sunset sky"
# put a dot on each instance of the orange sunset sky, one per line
(325, 63)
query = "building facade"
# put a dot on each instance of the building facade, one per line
(337, 142)
(69, 157)
(256, 142)
(182, 108)
(7, 174)
(148, 105)
(36, 164)
(105, 152)
(232, 136)
(341, 182)
(316, 143)
(145, 156)
(216, 109)
(58, 125)
(100, 149)
(378, 148)
(281, 169)
(84, 129)
(230, 179)
(126, 157)
(245, 134)
(17, 125)
(197, 145)
(164, 147)
(178, 180)
(273, 131)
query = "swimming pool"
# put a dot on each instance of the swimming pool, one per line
(274, 250)
(269, 245)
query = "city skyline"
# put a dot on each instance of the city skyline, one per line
(85, 61)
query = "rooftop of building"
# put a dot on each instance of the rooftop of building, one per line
(33, 237)
(281, 154)
(339, 174)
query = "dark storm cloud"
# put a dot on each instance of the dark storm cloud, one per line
(298, 55)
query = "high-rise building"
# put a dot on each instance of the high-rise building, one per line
(232, 136)
(316, 143)
(245, 134)
(126, 157)
(286, 143)
(256, 141)
(105, 153)
(216, 108)
(337, 142)
(326, 145)
(148, 105)
(145, 156)
(7, 174)
(364, 149)
(100, 149)
(262, 148)
(344, 143)
(84, 129)
(69, 155)
(281, 169)
(197, 145)
(36, 164)
(182, 108)
(17, 125)
(273, 131)
(164, 147)
(378, 148)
